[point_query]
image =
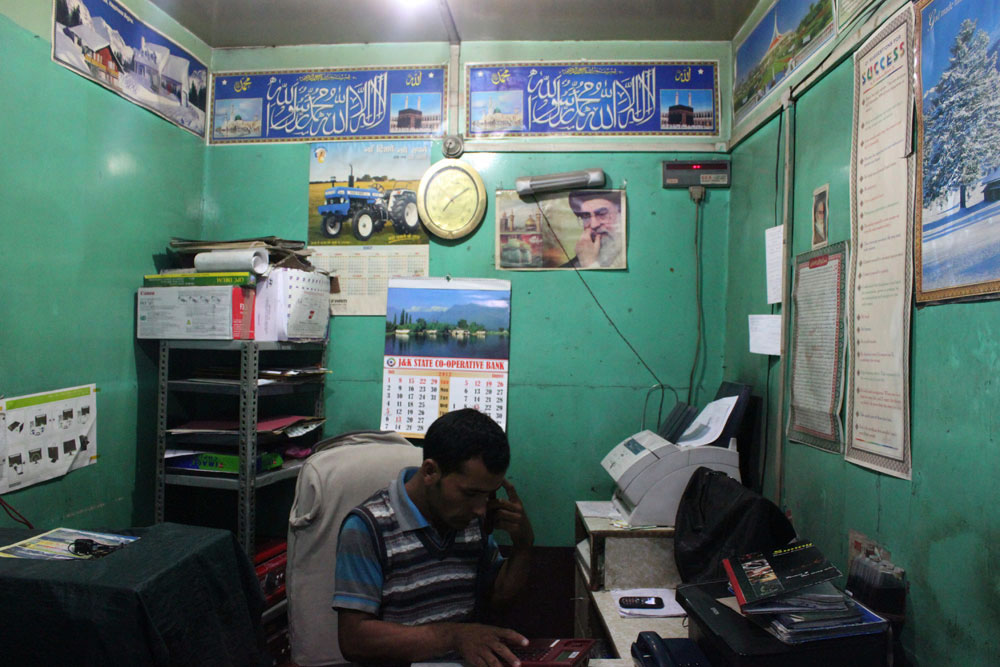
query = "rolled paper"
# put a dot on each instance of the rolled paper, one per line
(249, 259)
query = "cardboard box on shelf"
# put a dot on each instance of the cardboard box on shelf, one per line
(196, 312)
(226, 463)
(292, 305)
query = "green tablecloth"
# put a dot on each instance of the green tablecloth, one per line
(179, 595)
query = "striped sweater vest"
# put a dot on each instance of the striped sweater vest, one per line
(423, 582)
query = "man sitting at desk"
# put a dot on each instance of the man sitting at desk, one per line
(416, 561)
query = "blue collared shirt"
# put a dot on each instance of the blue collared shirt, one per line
(358, 573)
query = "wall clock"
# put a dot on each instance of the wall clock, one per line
(451, 199)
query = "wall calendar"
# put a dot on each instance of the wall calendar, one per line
(447, 345)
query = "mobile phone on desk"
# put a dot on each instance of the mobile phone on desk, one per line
(640, 602)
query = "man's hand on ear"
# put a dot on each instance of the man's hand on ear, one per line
(509, 515)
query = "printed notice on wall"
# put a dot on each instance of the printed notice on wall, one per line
(882, 179)
(848, 9)
(765, 334)
(774, 239)
(818, 348)
(447, 346)
(363, 273)
(44, 436)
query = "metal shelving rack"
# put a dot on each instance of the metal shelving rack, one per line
(248, 481)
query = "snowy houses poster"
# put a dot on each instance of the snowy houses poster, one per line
(957, 246)
(103, 41)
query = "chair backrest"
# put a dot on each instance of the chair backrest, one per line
(330, 484)
(719, 518)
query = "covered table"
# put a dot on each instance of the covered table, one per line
(179, 595)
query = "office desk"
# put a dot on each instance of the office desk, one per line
(615, 558)
(621, 631)
(179, 595)
(609, 558)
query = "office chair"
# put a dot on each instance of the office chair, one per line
(332, 481)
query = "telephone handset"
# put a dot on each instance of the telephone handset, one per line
(651, 650)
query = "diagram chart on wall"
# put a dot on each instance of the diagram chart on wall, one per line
(46, 435)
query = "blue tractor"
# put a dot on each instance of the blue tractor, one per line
(368, 209)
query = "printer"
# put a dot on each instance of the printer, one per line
(651, 473)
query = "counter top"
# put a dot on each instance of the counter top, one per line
(622, 631)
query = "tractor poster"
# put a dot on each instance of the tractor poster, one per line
(363, 225)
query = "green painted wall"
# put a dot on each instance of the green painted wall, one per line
(755, 205)
(575, 387)
(942, 526)
(93, 188)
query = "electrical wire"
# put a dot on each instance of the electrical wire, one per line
(594, 296)
(659, 413)
(767, 381)
(697, 297)
(14, 514)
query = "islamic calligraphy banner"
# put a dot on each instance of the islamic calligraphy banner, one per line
(307, 105)
(593, 98)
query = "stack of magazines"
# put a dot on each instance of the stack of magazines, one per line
(789, 593)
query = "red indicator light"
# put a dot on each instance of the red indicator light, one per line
(696, 166)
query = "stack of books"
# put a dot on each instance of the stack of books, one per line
(789, 592)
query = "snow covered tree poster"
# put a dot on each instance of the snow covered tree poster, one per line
(879, 305)
(957, 248)
(103, 41)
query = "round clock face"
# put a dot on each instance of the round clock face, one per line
(451, 199)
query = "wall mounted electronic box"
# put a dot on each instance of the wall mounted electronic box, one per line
(686, 173)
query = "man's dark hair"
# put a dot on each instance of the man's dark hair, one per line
(577, 197)
(466, 434)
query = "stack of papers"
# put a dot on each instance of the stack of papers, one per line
(810, 626)
(231, 376)
(283, 252)
(291, 426)
(823, 597)
(789, 593)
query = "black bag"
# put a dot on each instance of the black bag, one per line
(720, 518)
